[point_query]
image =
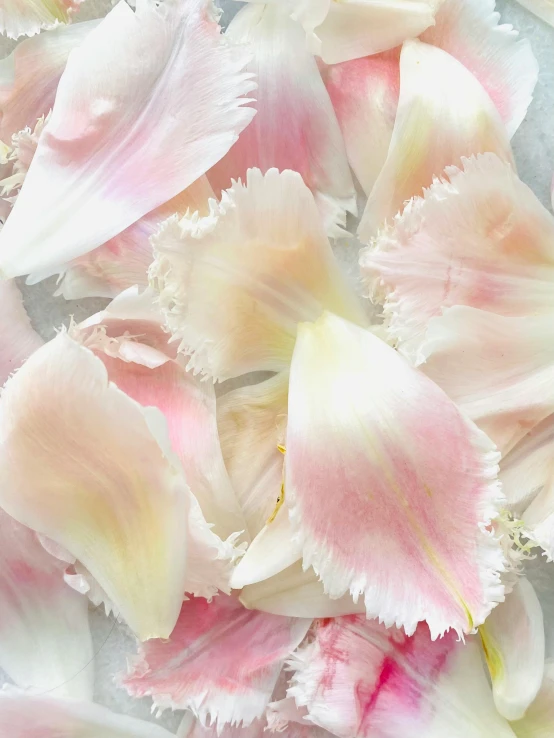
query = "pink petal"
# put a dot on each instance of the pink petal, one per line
(17, 339)
(380, 458)
(222, 661)
(45, 641)
(443, 115)
(502, 259)
(311, 142)
(106, 159)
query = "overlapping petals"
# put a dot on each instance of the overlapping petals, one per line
(107, 156)
(20, 18)
(222, 661)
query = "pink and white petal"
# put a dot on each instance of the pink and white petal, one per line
(360, 680)
(311, 143)
(513, 641)
(539, 719)
(379, 456)
(297, 593)
(364, 93)
(18, 340)
(30, 716)
(221, 661)
(191, 727)
(29, 76)
(45, 641)
(502, 259)
(544, 9)
(29, 17)
(103, 123)
(502, 62)
(443, 115)
(252, 424)
(499, 370)
(234, 285)
(116, 498)
(124, 260)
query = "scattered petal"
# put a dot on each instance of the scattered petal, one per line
(17, 339)
(380, 458)
(443, 115)
(311, 143)
(63, 211)
(234, 285)
(28, 17)
(222, 661)
(500, 260)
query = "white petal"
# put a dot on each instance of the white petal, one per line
(17, 339)
(28, 17)
(539, 720)
(543, 8)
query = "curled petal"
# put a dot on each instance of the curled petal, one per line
(29, 76)
(443, 115)
(222, 661)
(498, 370)
(513, 641)
(379, 456)
(27, 18)
(235, 285)
(501, 260)
(539, 719)
(26, 716)
(45, 641)
(359, 680)
(114, 498)
(103, 122)
(311, 142)
(542, 8)
(17, 339)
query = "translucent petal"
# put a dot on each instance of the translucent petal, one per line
(378, 456)
(45, 641)
(543, 8)
(443, 115)
(28, 716)
(222, 661)
(498, 370)
(28, 17)
(311, 143)
(235, 284)
(17, 339)
(539, 720)
(501, 260)
(513, 641)
(114, 498)
(29, 76)
(105, 158)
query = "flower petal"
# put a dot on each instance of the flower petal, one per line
(222, 661)
(139, 160)
(443, 115)
(502, 259)
(358, 679)
(17, 339)
(543, 8)
(29, 76)
(29, 716)
(28, 17)
(377, 455)
(311, 143)
(235, 284)
(113, 499)
(513, 640)
(498, 370)
(45, 640)
(538, 520)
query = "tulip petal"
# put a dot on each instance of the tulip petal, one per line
(544, 9)
(29, 76)
(358, 679)
(139, 160)
(539, 720)
(29, 716)
(311, 143)
(538, 520)
(45, 640)
(443, 115)
(501, 260)
(513, 640)
(377, 455)
(113, 498)
(498, 370)
(17, 339)
(234, 285)
(28, 17)
(222, 661)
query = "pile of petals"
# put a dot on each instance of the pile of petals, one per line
(305, 454)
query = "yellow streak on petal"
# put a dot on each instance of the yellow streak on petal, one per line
(492, 654)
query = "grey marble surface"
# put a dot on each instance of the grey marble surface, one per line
(534, 152)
